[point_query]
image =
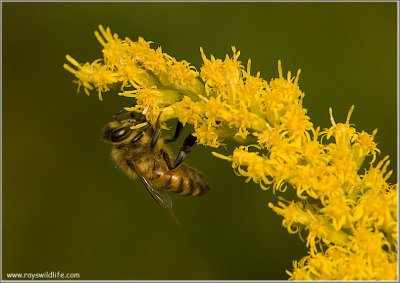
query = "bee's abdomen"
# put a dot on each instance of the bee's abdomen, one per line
(183, 180)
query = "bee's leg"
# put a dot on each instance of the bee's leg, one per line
(156, 132)
(178, 131)
(184, 151)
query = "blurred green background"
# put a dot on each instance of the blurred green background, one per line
(66, 208)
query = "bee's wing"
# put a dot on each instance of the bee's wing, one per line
(160, 196)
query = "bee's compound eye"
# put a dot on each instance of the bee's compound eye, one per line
(119, 134)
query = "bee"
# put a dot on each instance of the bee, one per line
(143, 153)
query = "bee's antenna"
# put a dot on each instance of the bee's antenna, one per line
(123, 113)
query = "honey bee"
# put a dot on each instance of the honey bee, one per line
(143, 153)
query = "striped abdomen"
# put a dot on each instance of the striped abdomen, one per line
(183, 180)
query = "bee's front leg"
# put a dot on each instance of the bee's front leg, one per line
(184, 151)
(178, 131)
(157, 132)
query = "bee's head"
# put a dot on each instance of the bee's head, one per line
(119, 132)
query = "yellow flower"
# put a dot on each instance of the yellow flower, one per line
(92, 75)
(189, 112)
(152, 60)
(185, 78)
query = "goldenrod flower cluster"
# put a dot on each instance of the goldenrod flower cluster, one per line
(347, 215)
